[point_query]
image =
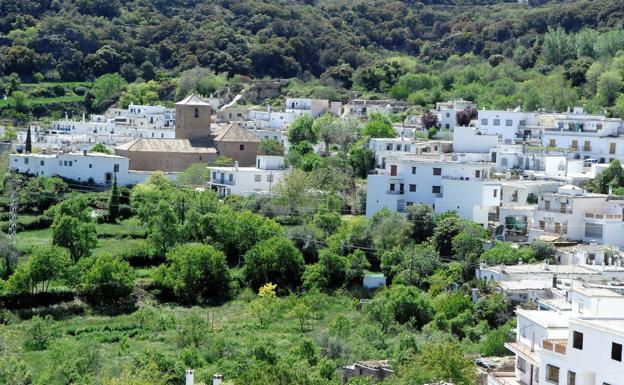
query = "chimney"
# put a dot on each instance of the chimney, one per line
(554, 281)
(520, 261)
(545, 266)
(84, 152)
(217, 379)
(236, 165)
(190, 377)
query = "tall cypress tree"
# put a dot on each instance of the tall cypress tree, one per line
(28, 141)
(113, 203)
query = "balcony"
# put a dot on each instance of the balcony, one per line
(559, 210)
(503, 378)
(223, 181)
(395, 192)
(555, 345)
(523, 350)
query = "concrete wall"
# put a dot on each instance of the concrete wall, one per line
(168, 161)
(245, 157)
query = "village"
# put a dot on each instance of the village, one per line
(522, 175)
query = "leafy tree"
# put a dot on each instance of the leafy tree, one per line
(193, 331)
(78, 236)
(196, 174)
(543, 250)
(113, 202)
(609, 87)
(492, 308)
(402, 304)
(99, 147)
(326, 127)
(195, 272)
(271, 147)
(422, 219)
(447, 227)
(332, 268)
(105, 279)
(201, 80)
(302, 129)
(453, 312)
(148, 72)
(41, 331)
(378, 126)
(468, 243)
(265, 305)
(106, 89)
(558, 46)
(301, 312)
(429, 120)
(441, 361)
(507, 253)
(292, 190)
(145, 93)
(494, 342)
(163, 229)
(72, 362)
(13, 368)
(432, 132)
(274, 260)
(46, 263)
(357, 264)
(410, 265)
(612, 177)
(462, 118)
(361, 158)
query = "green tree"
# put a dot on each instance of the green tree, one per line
(271, 147)
(113, 202)
(326, 126)
(106, 89)
(76, 234)
(13, 368)
(301, 312)
(410, 265)
(163, 229)
(196, 174)
(302, 129)
(47, 263)
(144, 93)
(28, 145)
(402, 304)
(422, 219)
(361, 158)
(440, 361)
(105, 279)
(379, 126)
(507, 253)
(266, 304)
(274, 260)
(195, 272)
(609, 87)
(558, 46)
(41, 331)
(493, 343)
(99, 147)
(72, 362)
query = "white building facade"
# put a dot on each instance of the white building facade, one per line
(245, 181)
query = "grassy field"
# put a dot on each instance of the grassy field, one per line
(42, 101)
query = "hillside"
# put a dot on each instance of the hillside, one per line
(82, 39)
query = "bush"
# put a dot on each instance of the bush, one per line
(40, 332)
(105, 279)
(274, 260)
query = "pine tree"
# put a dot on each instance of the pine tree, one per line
(28, 141)
(113, 203)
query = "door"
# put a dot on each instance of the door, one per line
(393, 170)
(612, 148)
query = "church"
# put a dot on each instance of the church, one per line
(194, 142)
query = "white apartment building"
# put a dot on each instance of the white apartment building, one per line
(312, 107)
(469, 139)
(434, 180)
(383, 148)
(590, 255)
(360, 108)
(84, 167)
(574, 214)
(508, 125)
(447, 111)
(579, 344)
(245, 181)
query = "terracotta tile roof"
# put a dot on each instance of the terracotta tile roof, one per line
(193, 100)
(235, 133)
(164, 145)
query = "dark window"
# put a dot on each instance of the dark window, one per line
(436, 189)
(391, 186)
(437, 171)
(196, 113)
(413, 170)
(571, 378)
(552, 374)
(242, 147)
(616, 351)
(412, 187)
(42, 163)
(577, 340)
(90, 165)
(116, 167)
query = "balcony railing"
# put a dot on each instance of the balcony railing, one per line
(504, 378)
(557, 210)
(555, 345)
(395, 192)
(223, 181)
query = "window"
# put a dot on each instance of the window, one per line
(552, 374)
(230, 177)
(616, 351)
(542, 225)
(571, 378)
(389, 147)
(412, 187)
(503, 162)
(398, 147)
(64, 163)
(70, 163)
(90, 165)
(577, 340)
(552, 143)
(196, 113)
(436, 189)
(25, 160)
(484, 122)
(242, 147)
(495, 193)
(497, 122)
(214, 175)
(42, 163)
(593, 230)
(508, 122)
(612, 148)
(521, 364)
(257, 178)
(60, 162)
(413, 170)
(270, 178)
(437, 171)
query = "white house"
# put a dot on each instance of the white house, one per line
(84, 167)
(434, 180)
(261, 179)
(469, 139)
(507, 125)
(576, 345)
(574, 214)
(360, 108)
(590, 255)
(312, 107)
(447, 111)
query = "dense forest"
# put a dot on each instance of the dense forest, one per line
(74, 40)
